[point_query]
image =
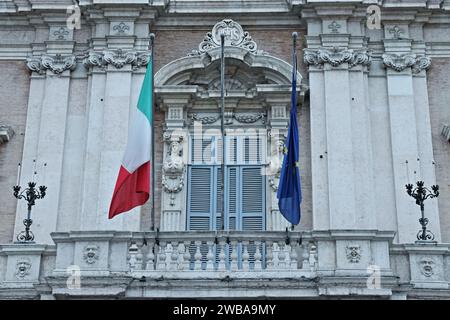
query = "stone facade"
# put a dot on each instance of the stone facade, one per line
(373, 108)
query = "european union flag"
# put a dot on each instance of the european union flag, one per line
(289, 189)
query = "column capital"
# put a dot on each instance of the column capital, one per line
(401, 62)
(336, 57)
(56, 64)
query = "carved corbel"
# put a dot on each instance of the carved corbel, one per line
(173, 167)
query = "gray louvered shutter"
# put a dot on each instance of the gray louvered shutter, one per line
(200, 198)
(252, 194)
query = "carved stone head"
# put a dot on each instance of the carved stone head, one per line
(90, 254)
(23, 268)
(426, 267)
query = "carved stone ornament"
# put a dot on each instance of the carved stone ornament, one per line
(206, 118)
(173, 167)
(235, 36)
(426, 267)
(240, 117)
(56, 64)
(118, 58)
(353, 253)
(275, 163)
(91, 254)
(337, 56)
(23, 267)
(401, 62)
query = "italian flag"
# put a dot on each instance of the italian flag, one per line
(133, 183)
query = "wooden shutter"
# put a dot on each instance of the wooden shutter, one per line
(252, 194)
(200, 198)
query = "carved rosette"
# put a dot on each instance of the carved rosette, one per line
(401, 62)
(56, 64)
(337, 56)
(235, 36)
(117, 58)
(173, 167)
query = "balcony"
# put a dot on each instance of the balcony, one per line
(118, 264)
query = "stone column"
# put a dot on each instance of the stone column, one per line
(51, 66)
(412, 151)
(340, 127)
(117, 66)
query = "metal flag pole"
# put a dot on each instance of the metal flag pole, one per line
(222, 126)
(294, 72)
(152, 44)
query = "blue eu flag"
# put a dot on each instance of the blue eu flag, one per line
(289, 189)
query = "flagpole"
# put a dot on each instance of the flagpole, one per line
(294, 66)
(152, 165)
(222, 126)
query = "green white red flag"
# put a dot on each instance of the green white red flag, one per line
(133, 183)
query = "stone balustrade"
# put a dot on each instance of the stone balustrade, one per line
(222, 252)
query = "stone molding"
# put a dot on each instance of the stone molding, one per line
(117, 58)
(400, 62)
(57, 64)
(336, 56)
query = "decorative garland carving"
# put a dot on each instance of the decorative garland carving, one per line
(401, 62)
(243, 117)
(235, 36)
(337, 56)
(118, 58)
(204, 118)
(56, 64)
(276, 162)
(173, 167)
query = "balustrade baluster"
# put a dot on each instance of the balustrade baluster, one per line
(281, 255)
(234, 255)
(269, 256)
(174, 255)
(222, 247)
(305, 257)
(294, 256)
(186, 255)
(258, 256)
(198, 256)
(210, 256)
(150, 263)
(245, 256)
(161, 264)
